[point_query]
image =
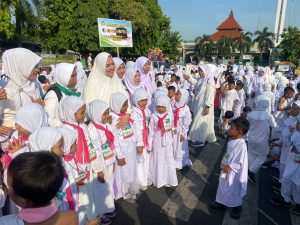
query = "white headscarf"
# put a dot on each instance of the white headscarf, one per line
(145, 77)
(267, 87)
(43, 139)
(130, 73)
(160, 92)
(63, 73)
(68, 107)
(100, 86)
(262, 103)
(18, 64)
(116, 102)
(184, 97)
(31, 117)
(69, 137)
(139, 94)
(163, 100)
(118, 62)
(209, 76)
(96, 109)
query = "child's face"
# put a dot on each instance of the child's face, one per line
(177, 81)
(177, 96)
(161, 109)
(246, 113)
(58, 149)
(234, 131)
(80, 114)
(201, 73)
(73, 79)
(22, 132)
(156, 77)
(121, 71)
(146, 67)
(173, 79)
(105, 116)
(73, 148)
(137, 79)
(289, 95)
(124, 107)
(294, 110)
(171, 94)
(143, 103)
(231, 86)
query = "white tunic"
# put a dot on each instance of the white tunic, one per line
(228, 101)
(162, 163)
(11, 220)
(233, 186)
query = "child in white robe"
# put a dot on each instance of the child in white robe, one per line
(72, 113)
(141, 116)
(233, 178)
(104, 141)
(230, 96)
(182, 121)
(271, 96)
(162, 163)
(127, 186)
(224, 123)
(258, 136)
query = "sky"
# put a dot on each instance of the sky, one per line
(193, 18)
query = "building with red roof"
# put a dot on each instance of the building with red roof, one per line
(229, 28)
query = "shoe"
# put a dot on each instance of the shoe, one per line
(296, 210)
(280, 202)
(110, 215)
(217, 205)
(277, 186)
(104, 220)
(236, 212)
(197, 144)
(251, 177)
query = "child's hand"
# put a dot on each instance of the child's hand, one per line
(5, 131)
(16, 145)
(186, 77)
(38, 101)
(139, 149)
(3, 94)
(205, 111)
(123, 121)
(100, 176)
(121, 162)
(181, 138)
(226, 169)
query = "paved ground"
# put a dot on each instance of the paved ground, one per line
(188, 203)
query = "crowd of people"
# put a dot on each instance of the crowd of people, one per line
(73, 144)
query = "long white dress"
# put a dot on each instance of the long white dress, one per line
(233, 185)
(202, 128)
(258, 138)
(103, 192)
(143, 165)
(181, 149)
(126, 182)
(162, 163)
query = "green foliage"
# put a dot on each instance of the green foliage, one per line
(204, 45)
(263, 40)
(6, 26)
(243, 44)
(225, 46)
(170, 44)
(290, 45)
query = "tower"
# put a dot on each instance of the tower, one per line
(279, 23)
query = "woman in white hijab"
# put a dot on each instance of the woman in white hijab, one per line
(66, 79)
(120, 67)
(202, 128)
(21, 66)
(103, 80)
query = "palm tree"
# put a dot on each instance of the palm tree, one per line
(225, 46)
(243, 44)
(263, 40)
(204, 45)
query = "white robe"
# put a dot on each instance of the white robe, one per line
(142, 167)
(228, 101)
(126, 183)
(233, 185)
(181, 149)
(202, 128)
(11, 220)
(162, 163)
(103, 192)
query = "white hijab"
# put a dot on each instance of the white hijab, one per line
(117, 100)
(139, 94)
(118, 62)
(43, 139)
(69, 136)
(31, 117)
(68, 107)
(130, 73)
(184, 97)
(262, 103)
(18, 64)
(209, 76)
(63, 73)
(96, 109)
(100, 86)
(163, 100)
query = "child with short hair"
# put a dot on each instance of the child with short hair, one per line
(234, 167)
(162, 163)
(224, 123)
(230, 95)
(171, 94)
(239, 104)
(127, 186)
(34, 197)
(246, 111)
(182, 121)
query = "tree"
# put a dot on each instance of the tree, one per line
(204, 45)
(6, 26)
(263, 40)
(225, 46)
(243, 44)
(290, 45)
(170, 44)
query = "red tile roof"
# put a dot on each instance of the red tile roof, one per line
(229, 33)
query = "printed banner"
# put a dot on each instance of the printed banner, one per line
(115, 33)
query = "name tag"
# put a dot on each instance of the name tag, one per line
(297, 157)
(167, 125)
(81, 178)
(127, 131)
(147, 121)
(106, 151)
(92, 152)
(61, 195)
